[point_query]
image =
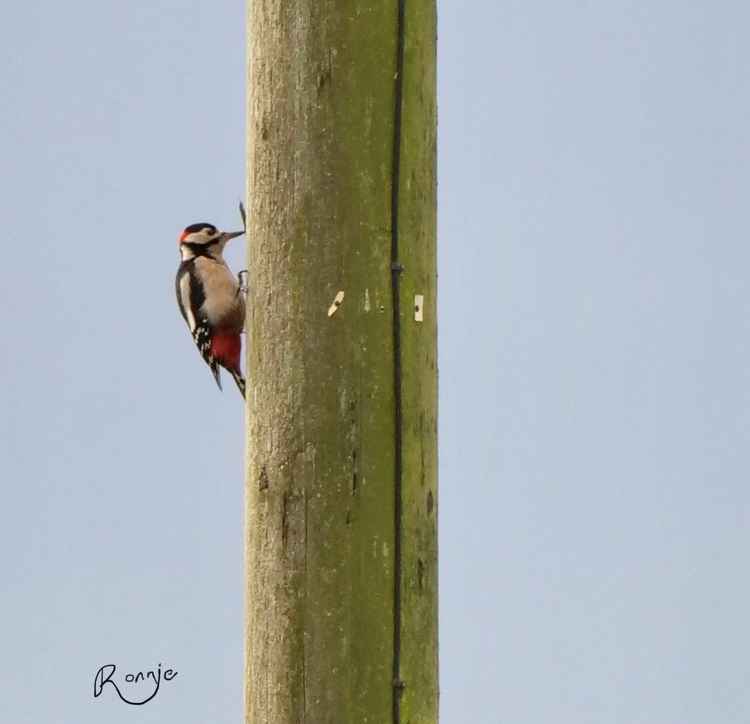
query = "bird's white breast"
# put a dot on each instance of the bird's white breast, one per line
(224, 305)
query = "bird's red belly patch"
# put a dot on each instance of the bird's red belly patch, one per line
(225, 348)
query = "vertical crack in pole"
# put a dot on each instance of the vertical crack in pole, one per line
(396, 270)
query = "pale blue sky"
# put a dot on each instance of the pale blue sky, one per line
(594, 361)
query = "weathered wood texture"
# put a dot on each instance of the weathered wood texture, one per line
(322, 476)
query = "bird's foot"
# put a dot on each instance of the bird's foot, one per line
(242, 279)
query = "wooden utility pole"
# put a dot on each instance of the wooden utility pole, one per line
(341, 477)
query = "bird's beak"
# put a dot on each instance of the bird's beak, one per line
(227, 235)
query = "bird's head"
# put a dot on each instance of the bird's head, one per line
(204, 239)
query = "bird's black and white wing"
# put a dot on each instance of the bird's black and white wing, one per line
(190, 299)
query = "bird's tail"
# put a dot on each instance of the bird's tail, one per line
(214, 365)
(239, 379)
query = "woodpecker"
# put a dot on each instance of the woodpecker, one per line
(211, 298)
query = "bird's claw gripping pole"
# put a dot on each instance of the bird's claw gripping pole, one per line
(242, 279)
(242, 276)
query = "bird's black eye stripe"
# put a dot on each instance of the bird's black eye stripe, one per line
(201, 249)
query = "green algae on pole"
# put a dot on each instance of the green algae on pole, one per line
(341, 475)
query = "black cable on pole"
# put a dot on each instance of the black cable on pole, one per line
(396, 269)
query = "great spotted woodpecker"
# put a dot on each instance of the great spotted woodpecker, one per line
(212, 299)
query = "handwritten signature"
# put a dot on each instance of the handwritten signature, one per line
(106, 672)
